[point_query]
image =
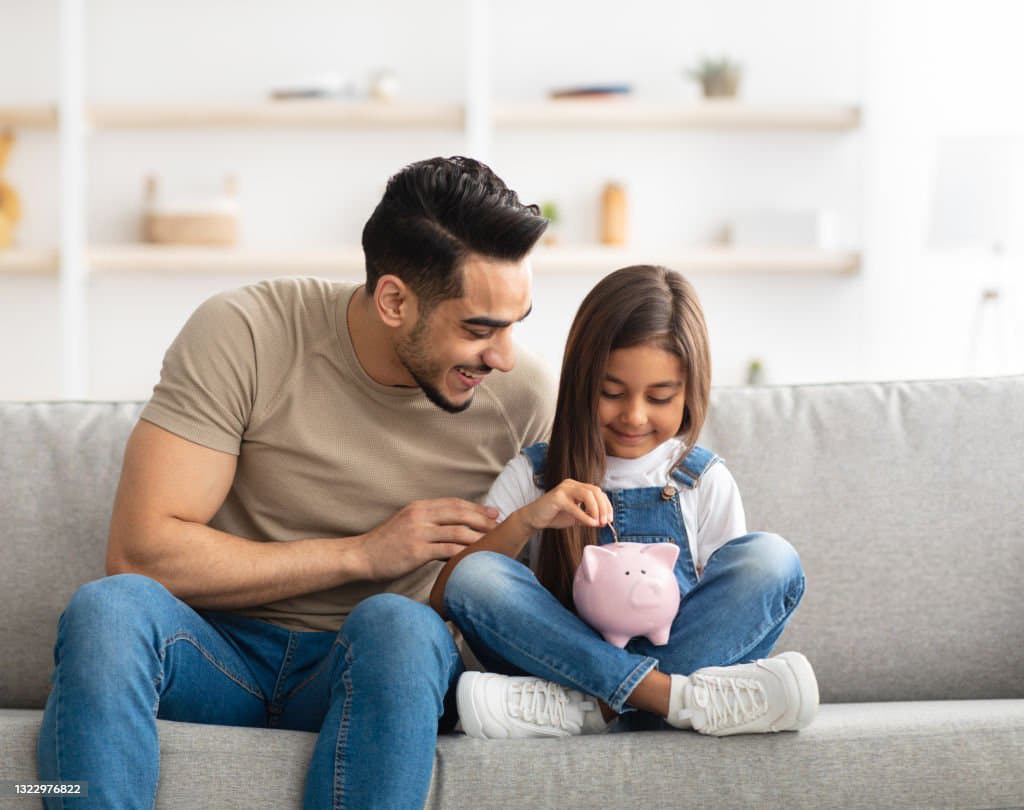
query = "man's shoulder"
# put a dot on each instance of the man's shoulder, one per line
(286, 294)
(292, 309)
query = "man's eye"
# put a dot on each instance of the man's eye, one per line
(479, 335)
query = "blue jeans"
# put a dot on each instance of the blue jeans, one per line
(734, 613)
(129, 652)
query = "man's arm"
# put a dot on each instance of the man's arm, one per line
(170, 488)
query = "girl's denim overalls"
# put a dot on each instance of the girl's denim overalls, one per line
(734, 611)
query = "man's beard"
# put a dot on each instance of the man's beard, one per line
(412, 354)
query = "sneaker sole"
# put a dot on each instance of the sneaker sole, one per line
(472, 723)
(806, 689)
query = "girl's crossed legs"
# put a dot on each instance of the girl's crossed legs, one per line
(734, 614)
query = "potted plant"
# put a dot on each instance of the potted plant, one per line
(719, 78)
(549, 210)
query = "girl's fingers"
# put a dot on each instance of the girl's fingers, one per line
(587, 503)
(590, 505)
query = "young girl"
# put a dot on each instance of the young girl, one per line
(631, 403)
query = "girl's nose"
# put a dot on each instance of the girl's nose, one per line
(634, 414)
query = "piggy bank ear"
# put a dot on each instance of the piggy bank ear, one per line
(664, 553)
(592, 558)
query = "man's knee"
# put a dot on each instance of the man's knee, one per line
(392, 622)
(111, 606)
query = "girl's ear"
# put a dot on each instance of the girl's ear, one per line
(394, 301)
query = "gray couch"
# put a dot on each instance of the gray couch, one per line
(904, 500)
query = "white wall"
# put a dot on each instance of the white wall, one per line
(915, 67)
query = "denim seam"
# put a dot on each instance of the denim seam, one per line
(733, 659)
(339, 743)
(314, 675)
(60, 698)
(626, 688)
(614, 702)
(289, 654)
(254, 691)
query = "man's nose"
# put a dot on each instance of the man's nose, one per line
(501, 354)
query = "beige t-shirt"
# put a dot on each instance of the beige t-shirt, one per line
(268, 373)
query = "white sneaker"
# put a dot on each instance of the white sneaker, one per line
(499, 707)
(771, 694)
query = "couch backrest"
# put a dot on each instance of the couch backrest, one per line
(903, 500)
(59, 467)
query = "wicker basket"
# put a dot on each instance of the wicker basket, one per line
(211, 223)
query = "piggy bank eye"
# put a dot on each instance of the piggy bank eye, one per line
(642, 571)
(627, 573)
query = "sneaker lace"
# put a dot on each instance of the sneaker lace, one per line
(540, 702)
(729, 701)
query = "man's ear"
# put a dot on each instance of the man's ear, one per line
(395, 302)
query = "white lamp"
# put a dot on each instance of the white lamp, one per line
(972, 214)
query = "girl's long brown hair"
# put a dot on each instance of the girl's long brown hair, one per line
(637, 305)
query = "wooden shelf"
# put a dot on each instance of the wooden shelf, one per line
(583, 259)
(24, 261)
(612, 113)
(710, 259)
(300, 113)
(724, 114)
(173, 259)
(37, 116)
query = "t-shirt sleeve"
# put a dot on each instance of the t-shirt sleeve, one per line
(720, 515)
(513, 489)
(208, 380)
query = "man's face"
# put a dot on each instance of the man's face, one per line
(461, 340)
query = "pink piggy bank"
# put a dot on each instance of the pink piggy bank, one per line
(624, 590)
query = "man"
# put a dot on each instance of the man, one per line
(293, 474)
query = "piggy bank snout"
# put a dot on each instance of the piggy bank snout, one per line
(648, 593)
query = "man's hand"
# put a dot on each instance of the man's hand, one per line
(424, 531)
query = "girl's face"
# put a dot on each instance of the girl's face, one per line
(641, 401)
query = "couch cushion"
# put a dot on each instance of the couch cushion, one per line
(903, 500)
(930, 755)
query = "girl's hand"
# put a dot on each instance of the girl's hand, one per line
(566, 505)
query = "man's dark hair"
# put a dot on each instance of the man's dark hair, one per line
(436, 212)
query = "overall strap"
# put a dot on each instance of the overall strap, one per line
(691, 469)
(538, 456)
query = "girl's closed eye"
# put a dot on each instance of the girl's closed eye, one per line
(652, 400)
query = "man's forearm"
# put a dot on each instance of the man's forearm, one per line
(211, 569)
